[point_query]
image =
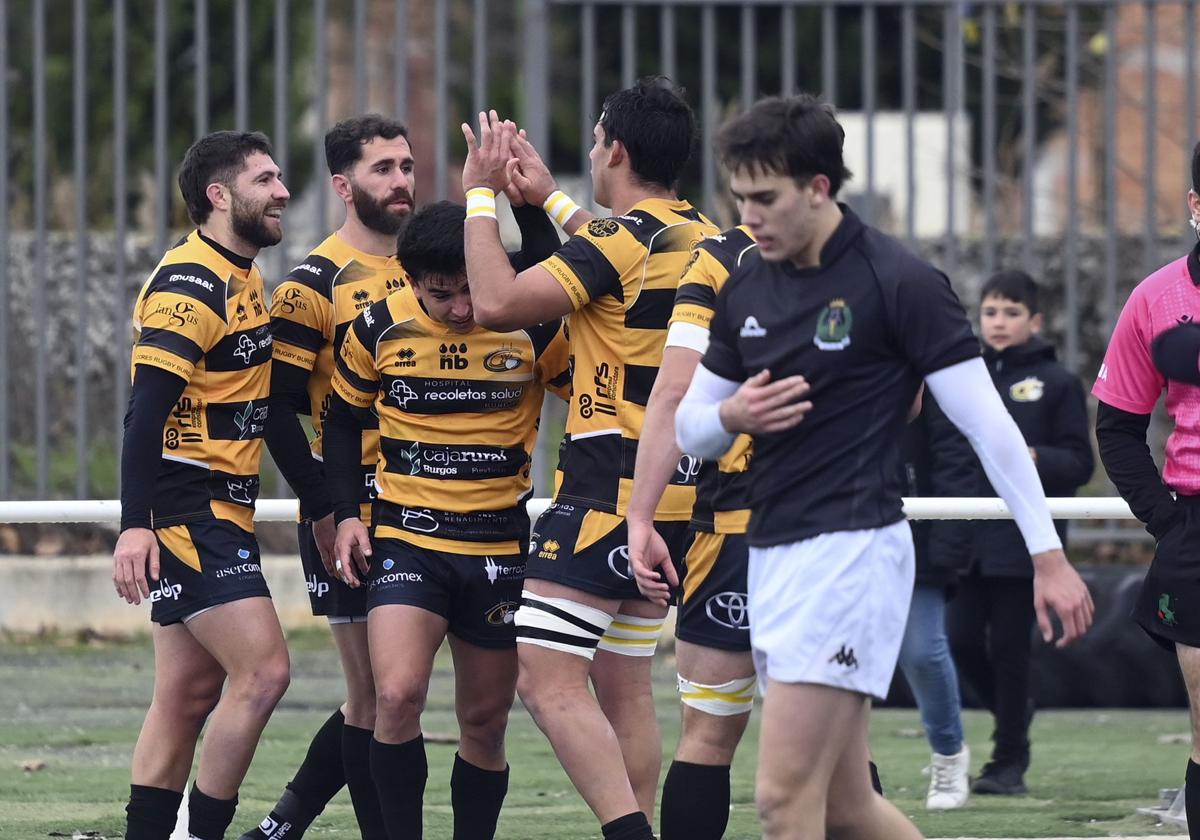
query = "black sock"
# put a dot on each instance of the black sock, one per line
(152, 811)
(695, 801)
(208, 817)
(633, 826)
(400, 771)
(875, 783)
(320, 777)
(1191, 798)
(476, 796)
(356, 761)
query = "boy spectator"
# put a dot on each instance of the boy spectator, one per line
(991, 618)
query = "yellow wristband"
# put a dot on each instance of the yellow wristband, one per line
(481, 203)
(560, 206)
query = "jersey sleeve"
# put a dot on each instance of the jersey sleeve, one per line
(590, 263)
(553, 362)
(929, 321)
(180, 317)
(356, 373)
(300, 323)
(696, 297)
(1128, 379)
(723, 356)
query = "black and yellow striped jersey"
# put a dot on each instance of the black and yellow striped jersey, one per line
(621, 274)
(202, 316)
(310, 312)
(721, 487)
(458, 415)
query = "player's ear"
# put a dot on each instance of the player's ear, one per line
(819, 184)
(617, 153)
(218, 196)
(341, 186)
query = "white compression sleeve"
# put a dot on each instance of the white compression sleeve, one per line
(698, 426)
(966, 393)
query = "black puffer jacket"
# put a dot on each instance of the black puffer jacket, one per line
(942, 546)
(1047, 402)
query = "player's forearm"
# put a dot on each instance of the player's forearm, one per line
(539, 239)
(967, 397)
(1121, 436)
(154, 393)
(288, 444)
(343, 457)
(489, 273)
(698, 427)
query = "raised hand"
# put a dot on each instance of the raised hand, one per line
(489, 162)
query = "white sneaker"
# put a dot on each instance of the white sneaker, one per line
(948, 782)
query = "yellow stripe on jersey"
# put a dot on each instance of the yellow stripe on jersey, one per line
(457, 421)
(720, 491)
(202, 315)
(621, 274)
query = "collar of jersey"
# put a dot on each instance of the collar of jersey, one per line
(370, 260)
(238, 260)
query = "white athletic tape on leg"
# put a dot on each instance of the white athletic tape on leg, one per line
(632, 635)
(735, 697)
(560, 624)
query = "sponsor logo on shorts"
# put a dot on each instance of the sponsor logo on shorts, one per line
(239, 570)
(243, 554)
(496, 571)
(618, 562)
(166, 591)
(729, 609)
(549, 550)
(388, 563)
(846, 658)
(398, 577)
(317, 587)
(503, 613)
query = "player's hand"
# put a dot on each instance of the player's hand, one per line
(760, 406)
(489, 162)
(1059, 590)
(647, 554)
(512, 192)
(532, 177)
(137, 550)
(325, 534)
(351, 548)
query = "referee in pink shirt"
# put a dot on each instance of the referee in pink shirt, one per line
(1155, 347)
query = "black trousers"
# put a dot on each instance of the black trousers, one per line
(990, 623)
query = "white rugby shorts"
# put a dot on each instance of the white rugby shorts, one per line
(831, 609)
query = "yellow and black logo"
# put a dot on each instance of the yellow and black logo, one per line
(603, 227)
(549, 550)
(502, 360)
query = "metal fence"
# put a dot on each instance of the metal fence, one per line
(984, 132)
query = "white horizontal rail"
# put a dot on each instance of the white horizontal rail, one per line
(108, 511)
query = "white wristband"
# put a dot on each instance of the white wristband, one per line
(481, 203)
(560, 206)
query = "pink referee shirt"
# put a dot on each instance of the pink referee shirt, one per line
(1129, 381)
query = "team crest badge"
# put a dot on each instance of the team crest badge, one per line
(1029, 389)
(603, 227)
(833, 326)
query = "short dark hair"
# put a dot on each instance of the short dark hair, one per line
(344, 142)
(432, 242)
(1012, 284)
(216, 158)
(1196, 168)
(798, 136)
(655, 125)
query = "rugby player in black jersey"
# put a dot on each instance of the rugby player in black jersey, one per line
(817, 351)
(189, 478)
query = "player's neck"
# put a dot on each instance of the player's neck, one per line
(360, 237)
(825, 224)
(625, 196)
(220, 231)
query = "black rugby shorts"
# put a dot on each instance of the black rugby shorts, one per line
(202, 565)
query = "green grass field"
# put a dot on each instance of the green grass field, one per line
(72, 711)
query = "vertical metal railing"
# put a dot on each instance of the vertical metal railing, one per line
(41, 399)
(82, 302)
